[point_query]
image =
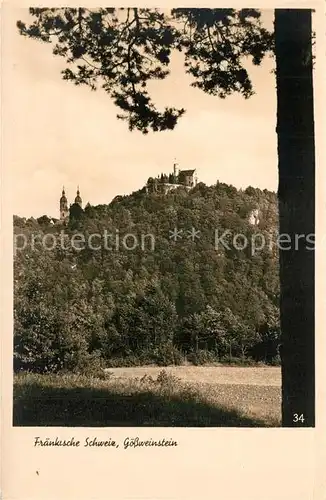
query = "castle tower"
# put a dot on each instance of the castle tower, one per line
(78, 199)
(64, 212)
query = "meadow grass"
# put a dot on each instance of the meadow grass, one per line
(164, 400)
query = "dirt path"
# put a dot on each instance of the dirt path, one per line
(262, 376)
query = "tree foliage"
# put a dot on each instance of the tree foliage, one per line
(122, 50)
(162, 304)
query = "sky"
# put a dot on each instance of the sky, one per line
(60, 134)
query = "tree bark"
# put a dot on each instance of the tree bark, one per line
(296, 155)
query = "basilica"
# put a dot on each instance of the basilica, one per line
(64, 210)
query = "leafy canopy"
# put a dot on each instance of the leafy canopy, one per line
(121, 50)
(154, 303)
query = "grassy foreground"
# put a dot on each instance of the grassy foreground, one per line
(160, 400)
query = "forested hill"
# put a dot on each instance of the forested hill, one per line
(169, 291)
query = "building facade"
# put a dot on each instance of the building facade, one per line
(166, 183)
(64, 211)
(63, 204)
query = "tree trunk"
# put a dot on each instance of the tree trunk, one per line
(296, 155)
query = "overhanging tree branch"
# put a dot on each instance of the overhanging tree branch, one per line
(112, 44)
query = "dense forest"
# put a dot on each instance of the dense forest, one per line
(159, 299)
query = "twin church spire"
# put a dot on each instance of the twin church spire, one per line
(64, 210)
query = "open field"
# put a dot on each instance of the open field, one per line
(151, 396)
(268, 376)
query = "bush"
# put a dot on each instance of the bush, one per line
(162, 356)
(167, 380)
(167, 355)
(202, 357)
(238, 361)
(276, 360)
(90, 365)
(121, 361)
(47, 351)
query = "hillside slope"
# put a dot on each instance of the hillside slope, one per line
(156, 278)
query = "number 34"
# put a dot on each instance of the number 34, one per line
(298, 418)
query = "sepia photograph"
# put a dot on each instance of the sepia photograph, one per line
(164, 217)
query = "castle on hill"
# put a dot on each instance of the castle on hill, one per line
(166, 183)
(163, 184)
(186, 179)
(63, 204)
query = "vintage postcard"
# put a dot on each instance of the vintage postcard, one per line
(163, 271)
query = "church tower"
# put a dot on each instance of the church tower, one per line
(64, 212)
(78, 199)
